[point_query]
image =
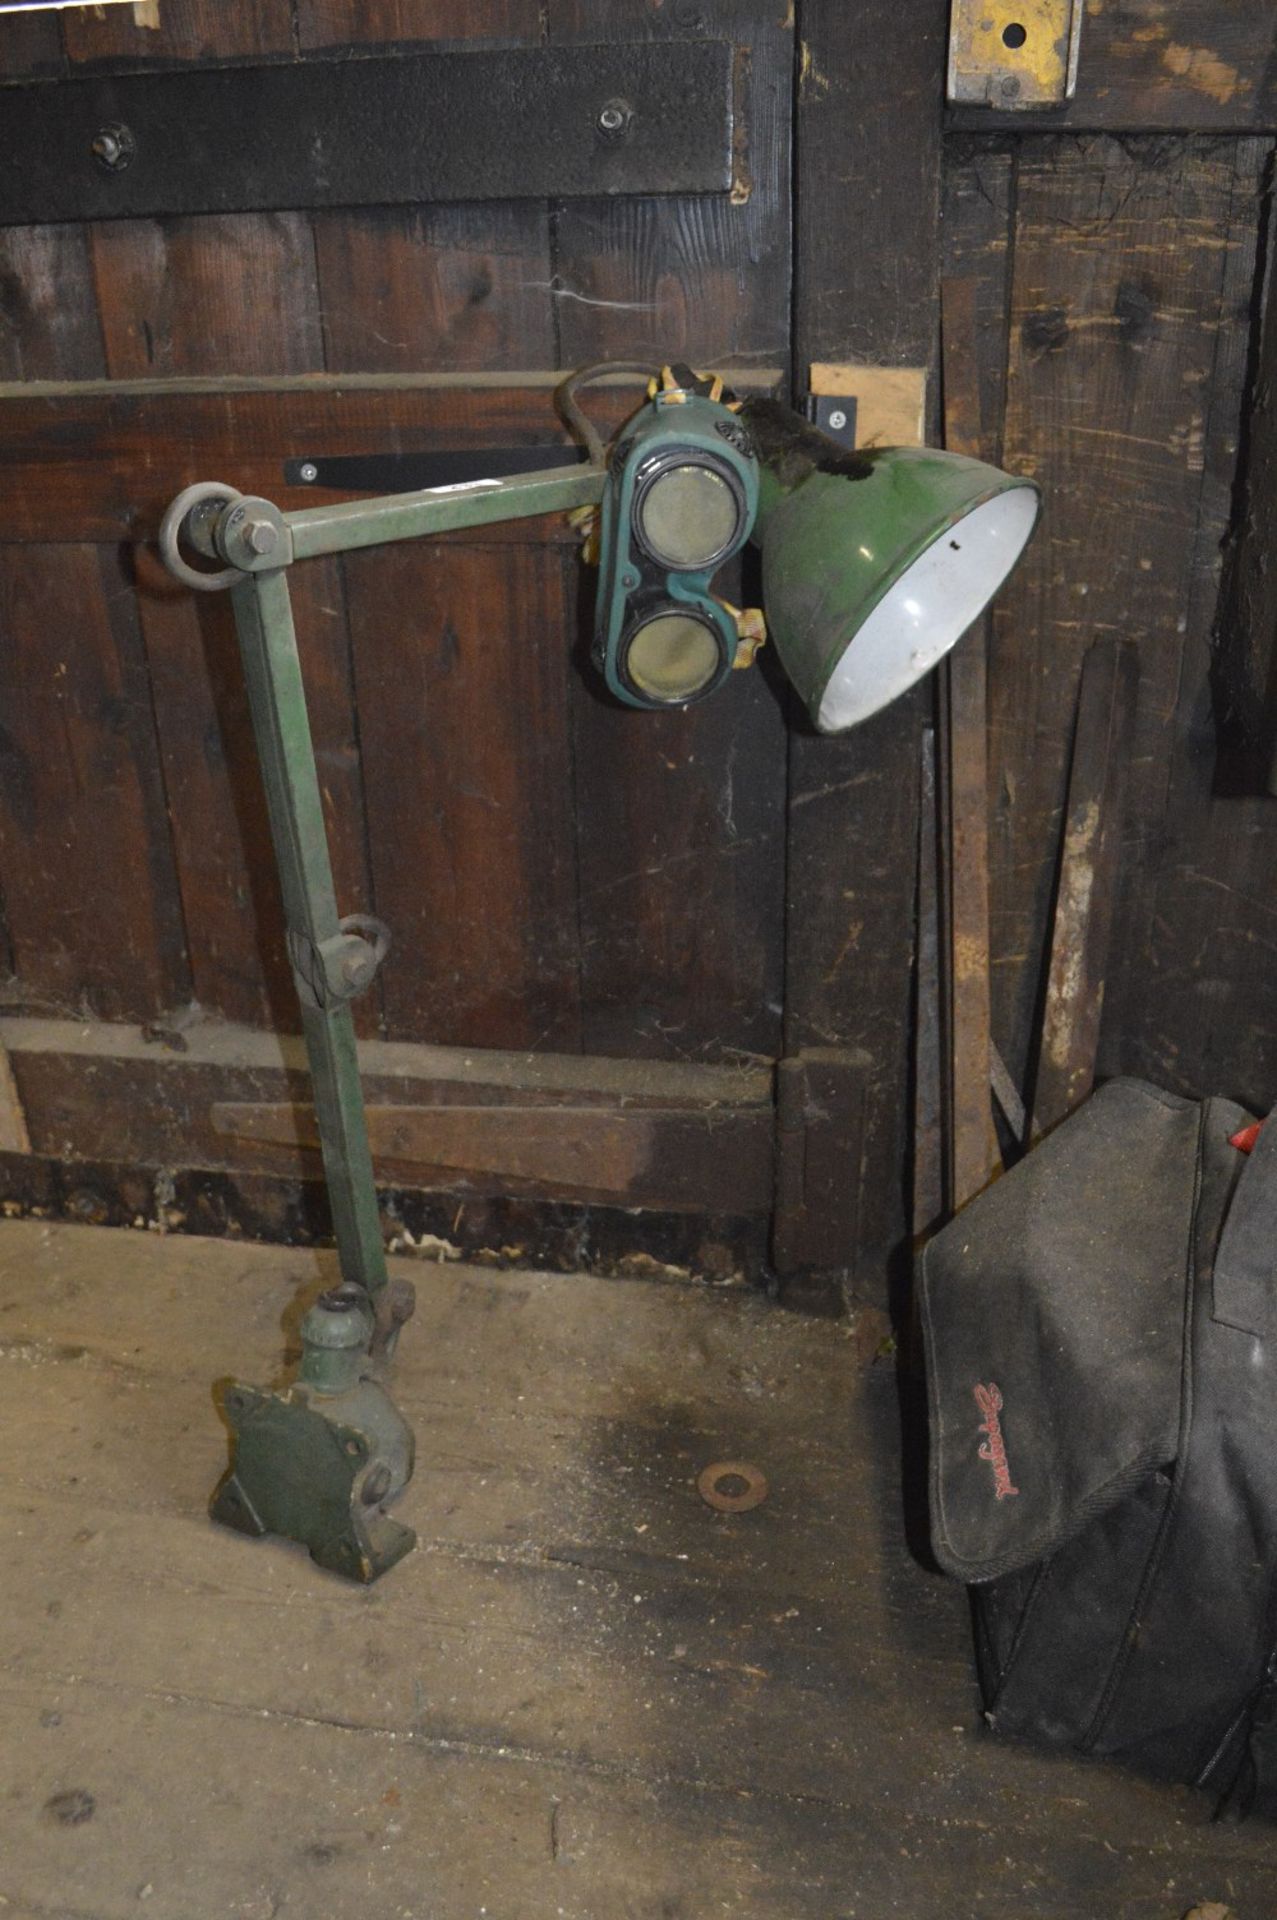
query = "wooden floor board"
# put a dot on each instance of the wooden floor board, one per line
(585, 1695)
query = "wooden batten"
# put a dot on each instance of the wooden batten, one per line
(648, 1134)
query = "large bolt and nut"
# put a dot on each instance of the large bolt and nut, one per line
(249, 531)
(614, 119)
(262, 536)
(113, 147)
(357, 969)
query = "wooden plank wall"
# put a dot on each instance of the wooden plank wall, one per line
(720, 884)
(1116, 282)
(871, 80)
(559, 873)
(1116, 267)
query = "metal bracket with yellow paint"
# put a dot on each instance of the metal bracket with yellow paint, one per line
(1014, 53)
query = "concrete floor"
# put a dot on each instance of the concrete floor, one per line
(585, 1695)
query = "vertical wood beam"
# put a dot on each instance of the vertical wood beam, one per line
(684, 958)
(870, 97)
(972, 1143)
(1129, 320)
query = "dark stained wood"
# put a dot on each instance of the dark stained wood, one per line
(433, 287)
(49, 326)
(977, 235)
(495, 1229)
(461, 669)
(335, 23)
(204, 1096)
(820, 1100)
(90, 891)
(474, 845)
(976, 231)
(866, 289)
(1082, 921)
(31, 46)
(698, 1163)
(1244, 674)
(229, 902)
(972, 1146)
(461, 660)
(195, 30)
(222, 294)
(103, 463)
(680, 829)
(1146, 65)
(927, 1159)
(1122, 294)
(230, 896)
(1197, 1012)
(641, 280)
(215, 297)
(447, 288)
(681, 815)
(701, 278)
(964, 707)
(49, 330)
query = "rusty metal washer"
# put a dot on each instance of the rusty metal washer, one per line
(714, 1486)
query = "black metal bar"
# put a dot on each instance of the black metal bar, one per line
(515, 123)
(411, 472)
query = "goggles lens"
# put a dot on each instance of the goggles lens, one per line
(688, 517)
(671, 657)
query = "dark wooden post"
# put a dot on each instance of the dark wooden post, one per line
(870, 101)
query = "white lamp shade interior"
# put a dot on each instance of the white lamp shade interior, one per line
(929, 608)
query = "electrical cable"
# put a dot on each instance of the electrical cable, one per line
(574, 420)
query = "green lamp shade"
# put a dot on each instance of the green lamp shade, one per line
(876, 563)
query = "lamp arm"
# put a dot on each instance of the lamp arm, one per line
(249, 535)
(474, 503)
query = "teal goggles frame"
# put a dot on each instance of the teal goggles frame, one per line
(680, 501)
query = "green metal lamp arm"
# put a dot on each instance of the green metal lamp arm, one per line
(332, 960)
(251, 536)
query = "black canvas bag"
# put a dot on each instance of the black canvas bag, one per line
(1101, 1340)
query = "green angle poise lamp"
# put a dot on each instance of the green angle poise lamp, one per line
(874, 563)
